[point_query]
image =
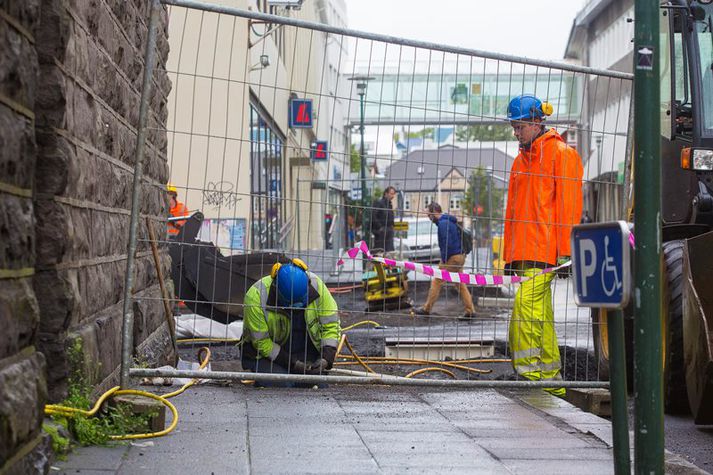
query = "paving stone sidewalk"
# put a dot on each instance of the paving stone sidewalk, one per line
(350, 429)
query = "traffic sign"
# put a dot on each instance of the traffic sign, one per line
(600, 264)
(401, 226)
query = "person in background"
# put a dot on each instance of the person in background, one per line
(544, 202)
(291, 324)
(176, 209)
(452, 260)
(382, 221)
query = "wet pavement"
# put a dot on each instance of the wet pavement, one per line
(352, 429)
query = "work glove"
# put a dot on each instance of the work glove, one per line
(565, 272)
(320, 366)
(298, 367)
(329, 353)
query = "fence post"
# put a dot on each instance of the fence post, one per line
(617, 378)
(127, 330)
(648, 387)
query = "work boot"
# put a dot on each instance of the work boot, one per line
(468, 316)
(421, 311)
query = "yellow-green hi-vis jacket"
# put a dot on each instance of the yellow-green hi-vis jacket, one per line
(268, 328)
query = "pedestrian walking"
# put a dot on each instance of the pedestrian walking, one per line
(450, 240)
(544, 202)
(176, 209)
(290, 324)
(382, 221)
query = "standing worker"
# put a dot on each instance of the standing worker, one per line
(290, 324)
(450, 240)
(382, 221)
(544, 202)
(177, 209)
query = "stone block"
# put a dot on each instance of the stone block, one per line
(141, 405)
(18, 66)
(23, 392)
(52, 172)
(52, 346)
(17, 236)
(17, 148)
(19, 315)
(51, 232)
(37, 460)
(53, 31)
(52, 97)
(58, 296)
(26, 13)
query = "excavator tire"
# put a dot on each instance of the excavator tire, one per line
(675, 395)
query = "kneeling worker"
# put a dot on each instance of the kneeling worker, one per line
(290, 323)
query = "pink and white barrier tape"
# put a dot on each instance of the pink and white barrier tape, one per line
(459, 277)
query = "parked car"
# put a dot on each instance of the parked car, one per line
(420, 242)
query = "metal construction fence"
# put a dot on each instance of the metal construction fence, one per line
(285, 132)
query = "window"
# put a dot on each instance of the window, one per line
(455, 203)
(407, 205)
(427, 200)
(266, 150)
(665, 72)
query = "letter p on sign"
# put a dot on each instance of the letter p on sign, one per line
(588, 262)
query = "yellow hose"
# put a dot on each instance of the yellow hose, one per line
(425, 370)
(55, 409)
(363, 322)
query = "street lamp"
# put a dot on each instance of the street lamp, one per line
(361, 82)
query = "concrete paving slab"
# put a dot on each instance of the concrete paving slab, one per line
(354, 429)
(551, 467)
(96, 458)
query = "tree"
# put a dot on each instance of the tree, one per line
(354, 159)
(480, 196)
(484, 133)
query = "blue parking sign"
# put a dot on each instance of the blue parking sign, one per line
(600, 264)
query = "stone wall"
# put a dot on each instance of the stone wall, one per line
(70, 80)
(22, 381)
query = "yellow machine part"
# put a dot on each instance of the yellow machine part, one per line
(498, 262)
(385, 285)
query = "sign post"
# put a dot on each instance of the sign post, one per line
(601, 270)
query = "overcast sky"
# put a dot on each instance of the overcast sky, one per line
(533, 28)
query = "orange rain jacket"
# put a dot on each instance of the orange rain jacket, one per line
(176, 211)
(544, 201)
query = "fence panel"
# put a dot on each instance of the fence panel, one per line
(285, 135)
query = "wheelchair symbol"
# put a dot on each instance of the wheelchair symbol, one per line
(609, 268)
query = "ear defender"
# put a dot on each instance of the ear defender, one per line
(297, 262)
(547, 108)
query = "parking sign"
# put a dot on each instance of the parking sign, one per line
(600, 264)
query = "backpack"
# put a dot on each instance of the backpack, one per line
(466, 240)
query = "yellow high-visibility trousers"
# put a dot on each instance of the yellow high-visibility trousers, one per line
(532, 339)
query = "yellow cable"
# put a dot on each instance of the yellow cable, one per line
(358, 324)
(424, 370)
(55, 409)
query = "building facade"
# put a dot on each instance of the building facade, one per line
(234, 152)
(602, 37)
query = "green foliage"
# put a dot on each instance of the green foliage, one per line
(354, 159)
(110, 420)
(491, 132)
(484, 194)
(60, 444)
(427, 132)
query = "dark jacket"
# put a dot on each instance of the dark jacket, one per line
(382, 216)
(449, 237)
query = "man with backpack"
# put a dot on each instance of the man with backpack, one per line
(453, 251)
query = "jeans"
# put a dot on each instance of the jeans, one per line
(264, 365)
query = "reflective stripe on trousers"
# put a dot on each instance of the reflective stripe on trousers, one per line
(531, 336)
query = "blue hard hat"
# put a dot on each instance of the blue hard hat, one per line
(527, 106)
(292, 286)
